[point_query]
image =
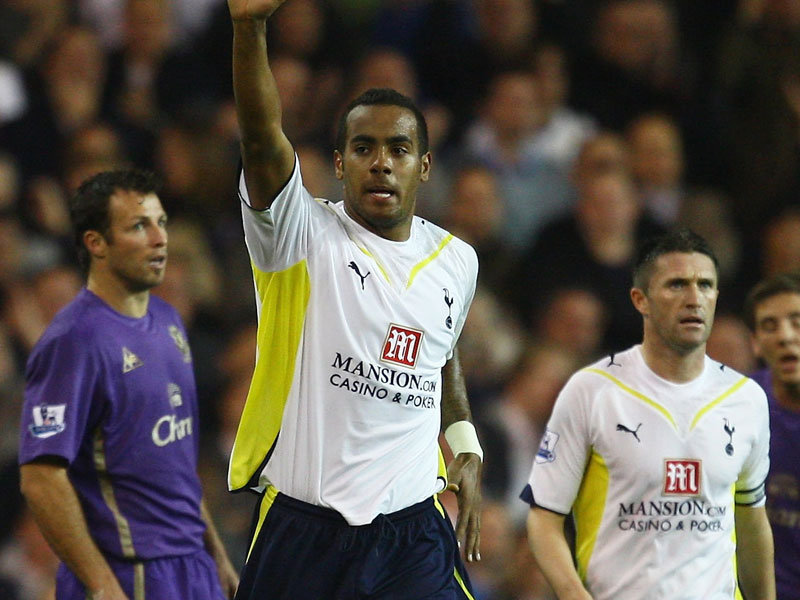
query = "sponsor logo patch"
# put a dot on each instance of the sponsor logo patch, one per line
(48, 420)
(174, 394)
(547, 449)
(130, 361)
(682, 477)
(401, 346)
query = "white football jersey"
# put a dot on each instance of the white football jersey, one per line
(344, 407)
(652, 471)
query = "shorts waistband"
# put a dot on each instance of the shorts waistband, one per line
(328, 514)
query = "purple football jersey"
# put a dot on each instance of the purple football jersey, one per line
(115, 396)
(783, 491)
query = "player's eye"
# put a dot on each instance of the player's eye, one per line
(769, 325)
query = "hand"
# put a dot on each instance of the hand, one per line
(464, 479)
(243, 10)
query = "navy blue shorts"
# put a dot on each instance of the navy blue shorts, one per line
(189, 577)
(307, 552)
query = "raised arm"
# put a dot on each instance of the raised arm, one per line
(464, 472)
(267, 154)
(57, 511)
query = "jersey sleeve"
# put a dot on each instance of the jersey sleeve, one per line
(751, 484)
(470, 277)
(279, 236)
(560, 462)
(61, 377)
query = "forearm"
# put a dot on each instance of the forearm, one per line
(228, 576)
(755, 554)
(549, 546)
(56, 508)
(257, 101)
(267, 154)
(455, 406)
(211, 539)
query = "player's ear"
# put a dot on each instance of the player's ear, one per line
(95, 243)
(338, 164)
(425, 167)
(639, 299)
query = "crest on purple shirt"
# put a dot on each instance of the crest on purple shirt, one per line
(130, 361)
(181, 343)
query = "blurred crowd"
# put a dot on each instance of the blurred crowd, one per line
(562, 132)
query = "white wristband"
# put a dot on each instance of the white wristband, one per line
(462, 437)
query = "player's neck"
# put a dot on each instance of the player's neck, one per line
(787, 395)
(672, 364)
(114, 293)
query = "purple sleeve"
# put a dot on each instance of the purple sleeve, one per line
(60, 385)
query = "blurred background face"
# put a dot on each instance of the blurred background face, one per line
(91, 150)
(604, 153)
(147, 27)
(781, 245)
(506, 25)
(77, 57)
(656, 153)
(513, 106)
(608, 204)
(298, 28)
(552, 78)
(475, 210)
(544, 373)
(635, 34)
(729, 343)
(385, 68)
(574, 319)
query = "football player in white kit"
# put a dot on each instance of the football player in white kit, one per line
(360, 306)
(660, 454)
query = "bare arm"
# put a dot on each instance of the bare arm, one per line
(755, 553)
(464, 472)
(57, 510)
(228, 577)
(550, 548)
(267, 154)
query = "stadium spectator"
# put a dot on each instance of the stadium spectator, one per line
(512, 424)
(593, 248)
(657, 163)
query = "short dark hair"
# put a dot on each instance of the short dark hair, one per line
(783, 283)
(384, 97)
(88, 208)
(682, 240)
